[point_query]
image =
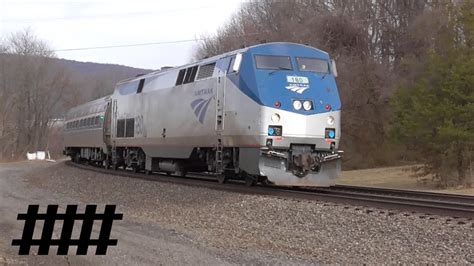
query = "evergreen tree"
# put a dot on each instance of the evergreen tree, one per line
(435, 116)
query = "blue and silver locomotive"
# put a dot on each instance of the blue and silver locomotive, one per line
(268, 113)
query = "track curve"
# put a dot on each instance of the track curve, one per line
(457, 206)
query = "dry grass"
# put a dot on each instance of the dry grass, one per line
(395, 177)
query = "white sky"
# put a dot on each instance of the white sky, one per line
(86, 23)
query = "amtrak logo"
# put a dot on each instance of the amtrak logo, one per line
(200, 108)
(296, 88)
(297, 84)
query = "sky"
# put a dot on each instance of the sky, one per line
(84, 23)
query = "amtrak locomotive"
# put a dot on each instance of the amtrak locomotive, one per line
(269, 113)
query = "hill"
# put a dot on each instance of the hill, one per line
(95, 80)
(91, 68)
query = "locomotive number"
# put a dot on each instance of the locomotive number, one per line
(297, 79)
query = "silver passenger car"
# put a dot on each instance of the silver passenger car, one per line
(83, 133)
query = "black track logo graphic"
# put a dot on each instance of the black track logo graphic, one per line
(65, 240)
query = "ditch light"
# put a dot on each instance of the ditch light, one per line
(330, 133)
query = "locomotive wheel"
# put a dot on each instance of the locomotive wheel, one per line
(221, 179)
(77, 158)
(181, 173)
(115, 166)
(136, 169)
(107, 164)
(265, 182)
(148, 172)
(250, 180)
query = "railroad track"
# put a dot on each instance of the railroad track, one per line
(435, 196)
(457, 206)
(431, 203)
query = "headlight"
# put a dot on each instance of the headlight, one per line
(275, 118)
(331, 120)
(307, 105)
(297, 105)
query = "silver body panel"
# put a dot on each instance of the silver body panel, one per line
(171, 129)
(173, 124)
(90, 136)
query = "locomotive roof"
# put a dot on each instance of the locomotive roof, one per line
(211, 59)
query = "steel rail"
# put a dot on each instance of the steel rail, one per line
(401, 200)
(411, 193)
(403, 203)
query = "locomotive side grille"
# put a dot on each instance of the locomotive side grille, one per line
(126, 128)
(180, 79)
(206, 71)
(130, 128)
(120, 128)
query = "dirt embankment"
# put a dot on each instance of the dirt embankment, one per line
(395, 177)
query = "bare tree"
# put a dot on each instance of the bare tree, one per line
(31, 84)
(371, 41)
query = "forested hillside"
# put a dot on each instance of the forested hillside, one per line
(36, 86)
(96, 80)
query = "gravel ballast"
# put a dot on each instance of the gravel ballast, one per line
(268, 228)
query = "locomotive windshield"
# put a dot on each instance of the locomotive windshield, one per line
(312, 65)
(273, 62)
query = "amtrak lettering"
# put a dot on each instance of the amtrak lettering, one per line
(203, 92)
